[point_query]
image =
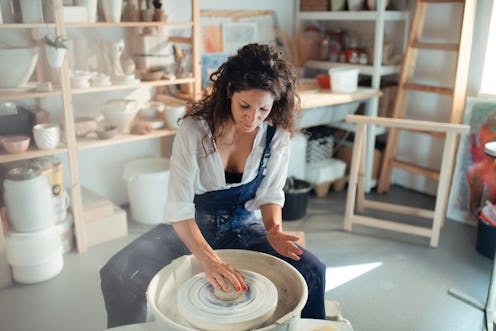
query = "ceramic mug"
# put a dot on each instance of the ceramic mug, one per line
(46, 136)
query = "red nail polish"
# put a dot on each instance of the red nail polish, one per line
(245, 287)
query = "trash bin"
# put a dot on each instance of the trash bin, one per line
(486, 238)
(147, 180)
(296, 199)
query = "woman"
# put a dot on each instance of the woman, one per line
(229, 158)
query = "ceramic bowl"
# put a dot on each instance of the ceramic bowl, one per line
(15, 144)
(107, 132)
(17, 66)
(46, 136)
(151, 110)
(120, 113)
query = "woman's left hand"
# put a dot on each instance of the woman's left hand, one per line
(283, 243)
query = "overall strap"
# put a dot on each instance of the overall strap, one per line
(266, 153)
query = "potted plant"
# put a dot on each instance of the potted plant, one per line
(55, 49)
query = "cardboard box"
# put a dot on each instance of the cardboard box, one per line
(107, 228)
(95, 206)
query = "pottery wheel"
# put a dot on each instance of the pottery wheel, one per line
(198, 304)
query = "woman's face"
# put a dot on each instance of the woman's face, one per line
(250, 108)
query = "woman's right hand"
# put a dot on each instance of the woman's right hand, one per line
(217, 272)
(221, 275)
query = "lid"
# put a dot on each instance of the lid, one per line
(24, 172)
(45, 162)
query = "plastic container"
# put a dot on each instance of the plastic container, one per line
(344, 79)
(486, 239)
(297, 156)
(296, 199)
(147, 180)
(35, 256)
(29, 203)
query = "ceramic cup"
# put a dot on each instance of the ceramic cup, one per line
(46, 136)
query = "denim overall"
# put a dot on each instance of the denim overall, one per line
(225, 224)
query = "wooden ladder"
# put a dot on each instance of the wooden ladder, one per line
(456, 92)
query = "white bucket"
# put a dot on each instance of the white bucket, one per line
(29, 204)
(35, 256)
(147, 181)
(344, 79)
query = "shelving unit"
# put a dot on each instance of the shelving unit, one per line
(72, 146)
(376, 70)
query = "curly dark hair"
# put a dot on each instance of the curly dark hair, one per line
(255, 66)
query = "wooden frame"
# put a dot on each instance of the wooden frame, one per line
(356, 189)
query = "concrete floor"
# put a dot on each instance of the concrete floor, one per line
(383, 280)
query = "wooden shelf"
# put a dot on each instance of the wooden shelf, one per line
(91, 141)
(27, 25)
(363, 15)
(364, 69)
(28, 95)
(161, 82)
(126, 24)
(74, 145)
(31, 153)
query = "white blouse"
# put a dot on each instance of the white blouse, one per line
(193, 171)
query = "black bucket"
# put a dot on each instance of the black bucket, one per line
(296, 199)
(486, 239)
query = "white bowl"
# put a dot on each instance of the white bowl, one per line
(46, 136)
(17, 66)
(120, 113)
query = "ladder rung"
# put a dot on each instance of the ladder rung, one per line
(434, 46)
(427, 88)
(434, 174)
(443, 1)
(430, 133)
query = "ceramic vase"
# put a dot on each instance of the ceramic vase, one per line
(55, 56)
(90, 6)
(112, 10)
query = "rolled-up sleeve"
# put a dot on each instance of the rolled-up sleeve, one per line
(183, 172)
